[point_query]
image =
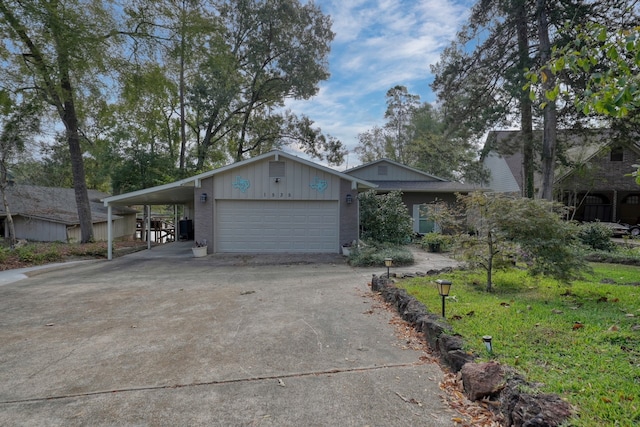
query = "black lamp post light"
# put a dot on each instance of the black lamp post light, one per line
(388, 262)
(444, 287)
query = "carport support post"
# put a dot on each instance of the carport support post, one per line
(175, 223)
(109, 234)
(148, 208)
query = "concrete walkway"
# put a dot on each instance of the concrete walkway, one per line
(216, 341)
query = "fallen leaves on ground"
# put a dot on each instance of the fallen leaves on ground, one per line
(473, 414)
(470, 414)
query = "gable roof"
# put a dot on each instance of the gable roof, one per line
(54, 204)
(412, 181)
(393, 163)
(181, 191)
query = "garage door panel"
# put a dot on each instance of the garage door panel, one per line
(277, 226)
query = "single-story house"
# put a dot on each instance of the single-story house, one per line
(592, 174)
(49, 214)
(418, 188)
(274, 202)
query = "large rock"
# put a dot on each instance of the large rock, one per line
(448, 343)
(456, 359)
(413, 311)
(451, 353)
(482, 380)
(393, 295)
(378, 283)
(432, 327)
(532, 410)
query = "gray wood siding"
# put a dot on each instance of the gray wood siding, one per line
(46, 231)
(297, 184)
(39, 230)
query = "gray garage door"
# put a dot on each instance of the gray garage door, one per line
(277, 226)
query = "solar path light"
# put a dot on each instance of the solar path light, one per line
(444, 287)
(388, 262)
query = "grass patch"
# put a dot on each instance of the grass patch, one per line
(594, 364)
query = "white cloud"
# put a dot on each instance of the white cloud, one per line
(378, 44)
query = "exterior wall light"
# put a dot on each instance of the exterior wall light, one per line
(444, 287)
(349, 199)
(487, 343)
(388, 262)
(203, 198)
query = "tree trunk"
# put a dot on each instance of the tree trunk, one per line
(549, 112)
(183, 129)
(10, 225)
(3, 187)
(70, 119)
(526, 114)
(62, 98)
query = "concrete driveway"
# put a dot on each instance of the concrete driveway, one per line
(215, 341)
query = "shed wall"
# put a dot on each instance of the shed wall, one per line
(38, 230)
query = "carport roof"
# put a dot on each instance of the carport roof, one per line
(181, 192)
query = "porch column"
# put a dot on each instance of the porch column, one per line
(109, 234)
(148, 208)
(175, 223)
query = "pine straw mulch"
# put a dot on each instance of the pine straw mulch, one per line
(470, 414)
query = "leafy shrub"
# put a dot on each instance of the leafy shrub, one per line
(597, 236)
(26, 253)
(385, 218)
(51, 254)
(4, 254)
(436, 242)
(373, 255)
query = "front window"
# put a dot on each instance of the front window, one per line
(421, 222)
(617, 154)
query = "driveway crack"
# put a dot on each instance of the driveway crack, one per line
(215, 382)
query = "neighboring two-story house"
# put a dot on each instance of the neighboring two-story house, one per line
(593, 175)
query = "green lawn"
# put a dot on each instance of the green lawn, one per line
(593, 364)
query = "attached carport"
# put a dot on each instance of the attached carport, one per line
(175, 193)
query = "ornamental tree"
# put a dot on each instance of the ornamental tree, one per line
(494, 231)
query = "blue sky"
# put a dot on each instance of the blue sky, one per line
(378, 44)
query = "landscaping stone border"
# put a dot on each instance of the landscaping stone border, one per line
(480, 380)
